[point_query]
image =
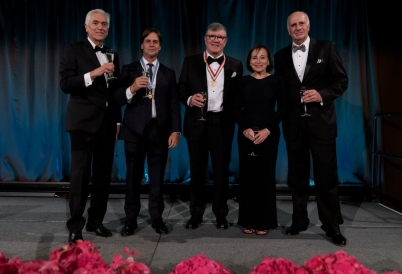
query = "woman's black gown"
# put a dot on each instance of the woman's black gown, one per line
(260, 102)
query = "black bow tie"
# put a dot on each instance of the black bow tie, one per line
(103, 50)
(296, 48)
(211, 60)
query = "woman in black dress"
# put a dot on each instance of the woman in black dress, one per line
(260, 105)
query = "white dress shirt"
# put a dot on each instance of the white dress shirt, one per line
(300, 59)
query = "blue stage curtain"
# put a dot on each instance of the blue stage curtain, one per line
(33, 143)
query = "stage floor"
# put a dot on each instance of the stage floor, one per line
(31, 227)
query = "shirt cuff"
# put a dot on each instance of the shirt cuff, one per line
(87, 79)
(188, 101)
(129, 95)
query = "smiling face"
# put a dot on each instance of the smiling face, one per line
(215, 41)
(97, 28)
(259, 60)
(151, 46)
(298, 27)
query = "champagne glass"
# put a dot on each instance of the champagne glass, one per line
(302, 90)
(110, 57)
(148, 93)
(255, 130)
(204, 96)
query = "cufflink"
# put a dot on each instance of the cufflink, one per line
(234, 74)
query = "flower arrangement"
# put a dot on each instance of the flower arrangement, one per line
(199, 264)
(280, 265)
(84, 258)
(337, 263)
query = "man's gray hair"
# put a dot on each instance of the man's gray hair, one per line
(307, 19)
(216, 26)
(89, 14)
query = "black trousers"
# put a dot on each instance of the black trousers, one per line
(96, 151)
(211, 142)
(323, 155)
(148, 147)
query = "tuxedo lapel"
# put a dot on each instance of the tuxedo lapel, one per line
(228, 75)
(89, 51)
(289, 62)
(311, 56)
(202, 72)
(160, 78)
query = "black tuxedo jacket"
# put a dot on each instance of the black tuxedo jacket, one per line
(166, 102)
(193, 79)
(87, 105)
(325, 73)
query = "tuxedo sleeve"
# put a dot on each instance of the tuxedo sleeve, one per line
(337, 74)
(239, 107)
(174, 105)
(116, 73)
(70, 80)
(184, 84)
(125, 81)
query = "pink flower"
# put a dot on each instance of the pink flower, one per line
(280, 265)
(8, 266)
(199, 264)
(340, 262)
(129, 265)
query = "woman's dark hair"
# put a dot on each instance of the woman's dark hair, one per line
(258, 47)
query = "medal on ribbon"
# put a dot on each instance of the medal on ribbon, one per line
(152, 79)
(211, 73)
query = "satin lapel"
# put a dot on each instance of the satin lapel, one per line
(311, 56)
(138, 70)
(202, 72)
(289, 61)
(160, 77)
(228, 75)
(89, 51)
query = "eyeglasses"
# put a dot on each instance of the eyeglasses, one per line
(213, 37)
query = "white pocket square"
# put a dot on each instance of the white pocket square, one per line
(234, 74)
(320, 61)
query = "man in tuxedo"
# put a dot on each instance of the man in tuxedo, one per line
(92, 122)
(317, 66)
(151, 125)
(216, 74)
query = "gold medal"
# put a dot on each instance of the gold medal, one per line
(213, 75)
(150, 95)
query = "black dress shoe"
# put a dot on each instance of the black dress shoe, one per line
(337, 238)
(193, 223)
(99, 230)
(160, 227)
(222, 223)
(73, 237)
(293, 230)
(128, 229)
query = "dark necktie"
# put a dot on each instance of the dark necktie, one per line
(103, 50)
(150, 65)
(211, 60)
(296, 48)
